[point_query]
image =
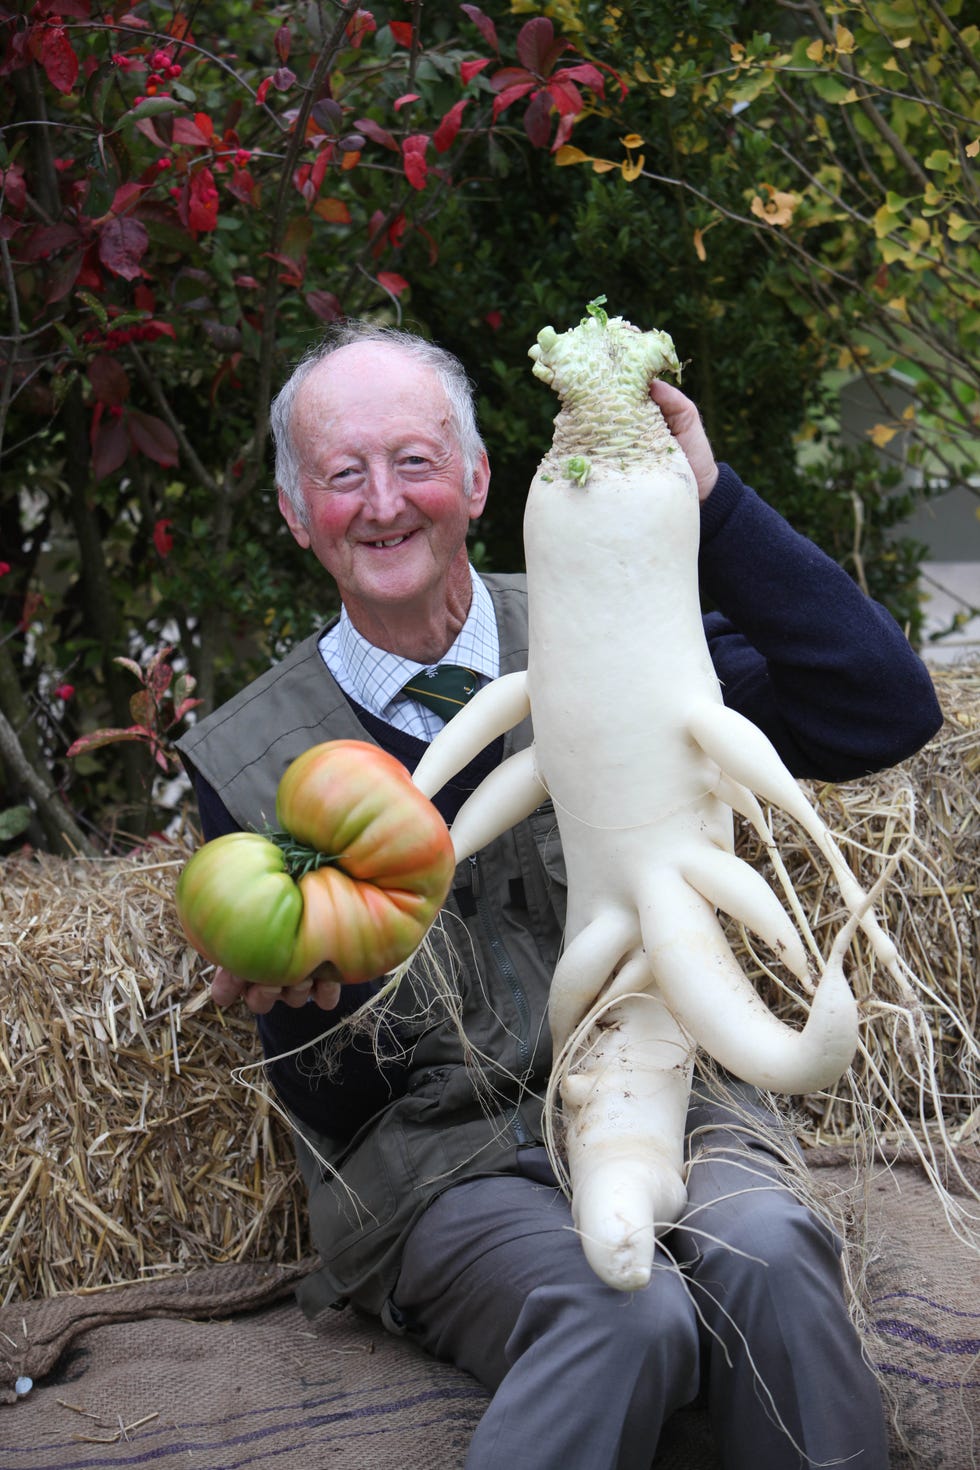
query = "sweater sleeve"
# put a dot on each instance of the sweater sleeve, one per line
(801, 651)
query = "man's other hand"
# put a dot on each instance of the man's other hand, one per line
(684, 422)
(227, 988)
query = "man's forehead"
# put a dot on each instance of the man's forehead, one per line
(372, 364)
(371, 393)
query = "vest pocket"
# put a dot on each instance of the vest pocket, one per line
(355, 1219)
(544, 830)
(543, 826)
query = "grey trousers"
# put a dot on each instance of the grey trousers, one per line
(583, 1377)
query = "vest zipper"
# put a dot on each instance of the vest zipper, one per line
(506, 967)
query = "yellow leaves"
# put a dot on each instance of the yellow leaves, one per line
(960, 229)
(657, 78)
(920, 232)
(778, 209)
(844, 45)
(830, 178)
(882, 434)
(972, 149)
(629, 167)
(851, 357)
(901, 239)
(567, 155)
(888, 215)
(699, 235)
(632, 167)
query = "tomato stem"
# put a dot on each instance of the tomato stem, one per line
(299, 858)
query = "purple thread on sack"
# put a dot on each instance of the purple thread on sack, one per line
(913, 1296)
(954, 1346)
(253, 1445)
(924, 1378)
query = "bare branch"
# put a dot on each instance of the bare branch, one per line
(49, 804)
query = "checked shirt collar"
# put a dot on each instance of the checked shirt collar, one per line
(376, 678)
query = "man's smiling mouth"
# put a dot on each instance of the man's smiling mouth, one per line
(391, 541)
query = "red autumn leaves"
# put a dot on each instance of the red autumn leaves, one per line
(548, 87)
(117, 428)
(47, 43)
(117, 202)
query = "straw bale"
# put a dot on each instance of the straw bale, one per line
(924, 818)
(128, 1151)
(131, 1152)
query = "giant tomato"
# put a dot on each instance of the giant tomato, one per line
(347, 889)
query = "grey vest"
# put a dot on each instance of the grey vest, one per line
(501, 935)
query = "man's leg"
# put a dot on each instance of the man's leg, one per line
(765, 1274)
(494, 1279)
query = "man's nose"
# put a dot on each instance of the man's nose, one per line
(384, 494)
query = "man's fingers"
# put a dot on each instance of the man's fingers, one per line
(326, 994)
(684, 422)
(296, 995)
(227, 988)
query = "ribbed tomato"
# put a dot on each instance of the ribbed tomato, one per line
(348, 888)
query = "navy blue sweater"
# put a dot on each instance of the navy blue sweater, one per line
(798, 648)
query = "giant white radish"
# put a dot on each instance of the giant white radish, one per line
(643, 799)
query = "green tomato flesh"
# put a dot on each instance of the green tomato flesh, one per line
(241, 909)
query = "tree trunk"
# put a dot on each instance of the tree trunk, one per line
(98, 602)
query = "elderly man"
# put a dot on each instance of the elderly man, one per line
(438, 1209)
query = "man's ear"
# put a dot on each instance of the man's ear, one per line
(294, 521)
(481, 485)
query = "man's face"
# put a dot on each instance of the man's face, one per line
(382, 479)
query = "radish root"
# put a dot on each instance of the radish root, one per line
(644, 800)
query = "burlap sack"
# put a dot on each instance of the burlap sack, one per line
(259, 1388)
(265, 1386)
(923, 1293)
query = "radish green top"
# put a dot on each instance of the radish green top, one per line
(601, 371)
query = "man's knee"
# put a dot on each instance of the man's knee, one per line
(655, 1325)
(774, 1250)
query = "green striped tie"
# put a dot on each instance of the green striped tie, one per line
(445, 691)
